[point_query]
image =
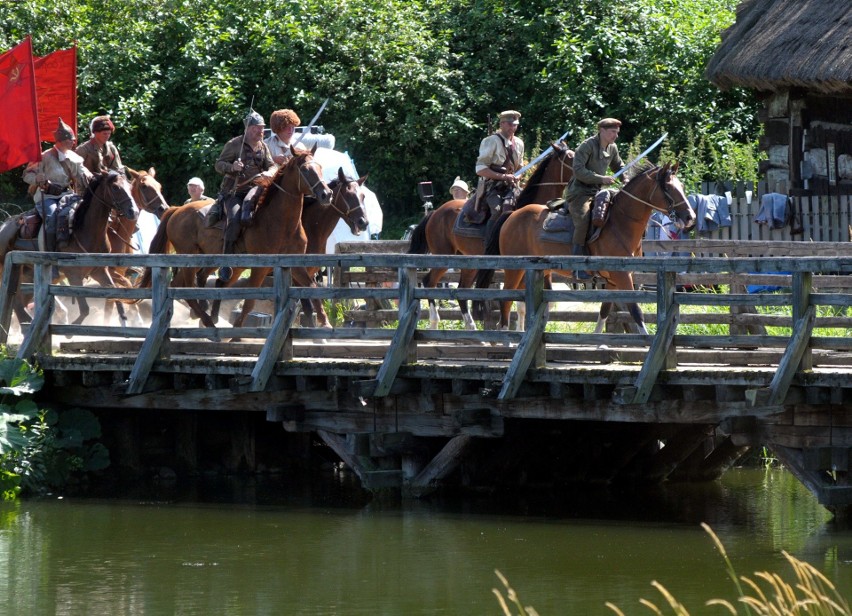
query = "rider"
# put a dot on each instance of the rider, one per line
(245, 162)
(500, 155)
(59, 173)
(99, 153)
(283, 123)
(592, 159)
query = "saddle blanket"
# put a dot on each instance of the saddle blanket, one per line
(202, 211)
(559, 228)
(464, 228)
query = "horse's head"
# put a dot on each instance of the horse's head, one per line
(348, 201)
(678, 207)
(310, 180)
(660, 189)
(112, 189)
(550, 178)
(147, 191)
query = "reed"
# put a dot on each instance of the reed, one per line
(763, 594)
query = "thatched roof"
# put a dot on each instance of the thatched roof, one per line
(780, 44)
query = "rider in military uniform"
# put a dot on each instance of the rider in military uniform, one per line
(500, 155)
(99, 153)
(247, 165)
(60, 172)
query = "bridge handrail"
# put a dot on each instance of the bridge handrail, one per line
(532, 344)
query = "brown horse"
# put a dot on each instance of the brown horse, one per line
(522, 233)
(436, 233)
(106, 192)
(319, 221)
(148, 194)
(277, 229)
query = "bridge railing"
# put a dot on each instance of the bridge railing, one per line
(802, 334)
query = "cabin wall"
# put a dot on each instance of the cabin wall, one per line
(807, 142)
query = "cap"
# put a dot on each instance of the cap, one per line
(513, 117)
(101, 123)
(254, 119)
(609, 123)
(63, 132)
(196, 181)
(459, 183)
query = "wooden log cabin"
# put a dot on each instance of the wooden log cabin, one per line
(796, 55)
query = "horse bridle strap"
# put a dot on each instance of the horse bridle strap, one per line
(302, 177)
(339, 210)
(113, 205)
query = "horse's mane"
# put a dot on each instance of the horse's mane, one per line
(265, 195)
(94, 184)
(641, 168)
(526, 196)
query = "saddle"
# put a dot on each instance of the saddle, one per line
(28, 225)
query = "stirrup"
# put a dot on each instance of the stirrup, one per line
(225, 273)
(582, 275)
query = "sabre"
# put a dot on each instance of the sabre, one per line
(642, 155)
(538, 158)
(313, 121)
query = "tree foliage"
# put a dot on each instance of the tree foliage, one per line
(411, 83)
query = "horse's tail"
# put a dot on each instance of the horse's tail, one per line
(484, 277)
(160, 245)
(419, 245)
(8, 234)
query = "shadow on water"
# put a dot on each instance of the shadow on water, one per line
(320, 545)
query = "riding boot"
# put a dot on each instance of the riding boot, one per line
(580, 251)
(213, 214)
(226, 272)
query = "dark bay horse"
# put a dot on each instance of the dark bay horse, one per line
(277, 229)
(106, 192)
(521, 233)
(347, 203)
(148, 194)
(436, 232)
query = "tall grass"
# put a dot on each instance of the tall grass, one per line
(763, 594)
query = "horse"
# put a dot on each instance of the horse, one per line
(436, 233)
(277, 229)
(522, 233)
(106, 192)
(319, 221)
(148, 194)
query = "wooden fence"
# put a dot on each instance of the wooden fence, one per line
(807, 336)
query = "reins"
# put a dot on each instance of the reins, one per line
(337, 196)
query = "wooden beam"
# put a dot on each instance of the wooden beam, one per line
(402, 344)
(286, 309)
(789, 364)
(530, 348)
(659, 353)
(38, 335)
(162, 309)
(444, 463)
(8, 294)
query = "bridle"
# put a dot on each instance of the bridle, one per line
(661, 183)
(303, 176)
(146, 203)
(337, 194)
(112, 190)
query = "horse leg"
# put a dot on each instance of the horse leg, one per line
(466, 278)
(255, 280)
(603, 314)
(636, 312)
(430, 281)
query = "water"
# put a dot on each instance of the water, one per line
(247, 550)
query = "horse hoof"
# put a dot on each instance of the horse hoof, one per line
(603, 347)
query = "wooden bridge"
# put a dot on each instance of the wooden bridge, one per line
(412, 408)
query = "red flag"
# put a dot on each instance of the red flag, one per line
(56, 90)
(19, 142)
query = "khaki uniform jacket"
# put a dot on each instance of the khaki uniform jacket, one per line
(591, 163)
(492, 151)
(100, 159)
(57, 172)
(256, 160)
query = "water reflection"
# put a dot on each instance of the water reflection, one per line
(266, 548)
